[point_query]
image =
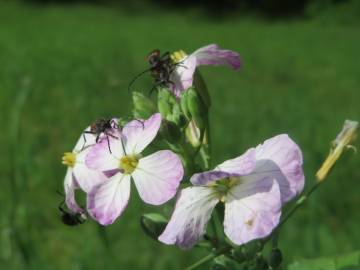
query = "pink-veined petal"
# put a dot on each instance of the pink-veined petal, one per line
(182, 76)
(287, 155)
(252, 210)
(107, 201)
(158, 176)
(213, 55)
(69, 187)
(86, 178)
(189, 219)
(239, 166)
(99, 156)
(139, 133)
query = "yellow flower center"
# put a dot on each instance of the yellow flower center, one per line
(178, 56)
(128, 164)
(69, 159)
(223, 186)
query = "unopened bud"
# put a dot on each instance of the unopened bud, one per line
(144, 107)
(169, 106)
(153, 224)
(275, 258)
(201, 88)
(196, 108)
(343, 140)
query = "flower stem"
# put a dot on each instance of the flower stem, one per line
(298, 204)
(208, 258)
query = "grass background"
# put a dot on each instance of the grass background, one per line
(64, 66)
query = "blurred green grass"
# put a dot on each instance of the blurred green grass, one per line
(298, 77)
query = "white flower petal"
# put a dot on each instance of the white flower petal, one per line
(158, 176)
(188, 221)
(138, 133)
(99, 158)
(252, 210)
(107, 201)
(182, 76)
(241, 165)
(286, 154)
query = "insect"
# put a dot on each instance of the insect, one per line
(102, 126)
(71, 219)
(161, 68)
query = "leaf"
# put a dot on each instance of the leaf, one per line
(349, 261)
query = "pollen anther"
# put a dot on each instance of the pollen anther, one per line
(69, 159)
(128, 164)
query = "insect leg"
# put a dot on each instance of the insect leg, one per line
(108, 141)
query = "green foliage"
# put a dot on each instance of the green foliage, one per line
(143, 107)
(349, 261)
(299, 77)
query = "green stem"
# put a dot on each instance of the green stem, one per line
(208, 258)
(202, 261)
(298, 204)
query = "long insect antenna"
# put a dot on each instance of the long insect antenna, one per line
(137, 77)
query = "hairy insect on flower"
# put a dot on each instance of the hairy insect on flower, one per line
(78, 175)
(343, 140)
(156, 176)
(253, 187)
(210, 55)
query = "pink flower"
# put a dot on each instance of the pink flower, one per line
(78, 175)
(253, 187)
(211, 55)
(156, 176)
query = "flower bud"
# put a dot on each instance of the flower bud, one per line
(196, 108)
(153, 224)
(144, 107)
(275, 258)
(169, 106)
(201, 88)
(343, 140)
(184, 105)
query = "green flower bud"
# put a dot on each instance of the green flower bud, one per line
(201, 88)
(184, 105)
(169, 106)
(252, 249)
(275, 258)
(153, 224)
(144, 107)
(197, 109)
(164, 102)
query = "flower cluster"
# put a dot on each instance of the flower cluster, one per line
(253, 187)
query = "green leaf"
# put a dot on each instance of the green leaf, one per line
(144, 107)
(349, 261)
(223, 262)
(153, 224)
